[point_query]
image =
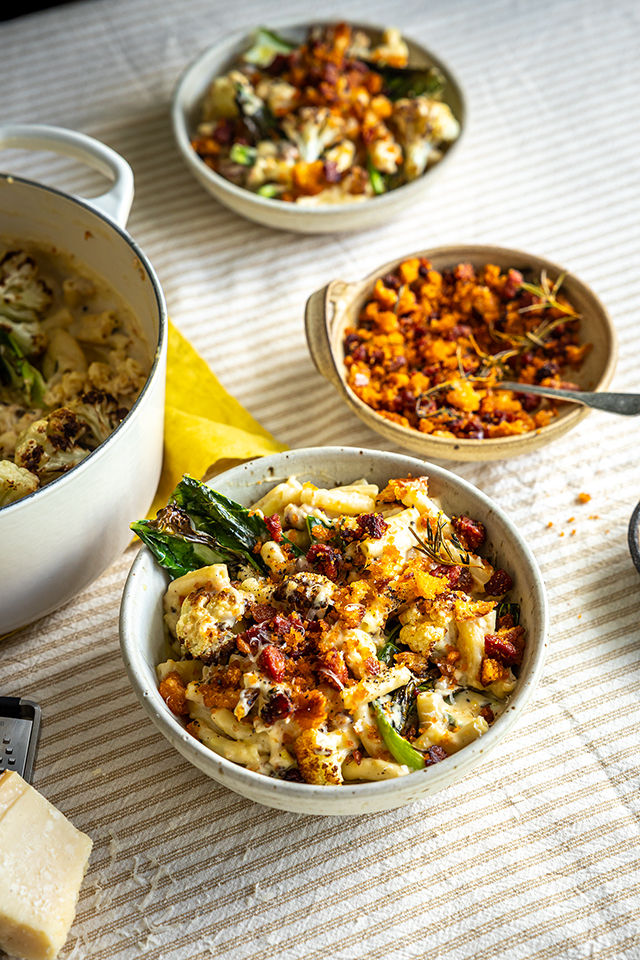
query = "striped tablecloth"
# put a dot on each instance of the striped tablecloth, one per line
(535, 854)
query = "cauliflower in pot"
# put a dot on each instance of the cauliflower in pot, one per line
(72, 363)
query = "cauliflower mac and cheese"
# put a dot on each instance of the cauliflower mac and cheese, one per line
(360, 638)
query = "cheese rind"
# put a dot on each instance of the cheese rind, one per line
(43, 859)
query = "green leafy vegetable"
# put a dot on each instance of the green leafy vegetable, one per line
(270, 190)
(243, 154)
(179, 548)
(411, 82)
(318, 522)
(387, 653)
(509, 609)
(17, 373)
(232, 525)
(378, 182)
(266, 47)
(398, 747)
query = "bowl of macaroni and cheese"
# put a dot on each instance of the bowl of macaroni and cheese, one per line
(333, 630)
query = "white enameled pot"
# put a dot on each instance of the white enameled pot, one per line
(60, 538)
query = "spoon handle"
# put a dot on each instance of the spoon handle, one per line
(626, 404)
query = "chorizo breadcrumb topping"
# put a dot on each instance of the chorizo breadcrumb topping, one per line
(357, 635)
(333, 120)
(431, 348)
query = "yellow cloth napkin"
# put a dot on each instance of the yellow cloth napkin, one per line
(204, 426)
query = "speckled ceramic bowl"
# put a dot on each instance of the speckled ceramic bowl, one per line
(143, 645)
(187, 111)
(337, 306)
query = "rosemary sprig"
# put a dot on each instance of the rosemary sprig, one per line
(493, 367)
(437, 547)
(546, 293)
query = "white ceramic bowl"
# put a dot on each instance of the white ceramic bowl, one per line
(143, 644)
(187, 111)
(61, 537)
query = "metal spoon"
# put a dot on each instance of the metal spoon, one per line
(626, 404)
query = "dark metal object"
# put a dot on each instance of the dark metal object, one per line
(634, 537)
(19, 732)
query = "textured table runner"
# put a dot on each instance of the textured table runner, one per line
(534, 855)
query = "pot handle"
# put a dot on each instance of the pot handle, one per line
(116, 202)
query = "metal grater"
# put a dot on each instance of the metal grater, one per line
(19, 732)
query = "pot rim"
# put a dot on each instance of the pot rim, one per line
(132, 644)
(181, 127)
(159, 347)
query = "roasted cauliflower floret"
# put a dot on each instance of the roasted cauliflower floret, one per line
(64, 355)
(49, 447)
(309, 593)
(22, 295)
(216, 577)
(123, 378)
(14, 419)
(419, 124)
(206, 618)
(15, 482)
(317, 757)
(29, 335)
(313, 129)
(54, 444)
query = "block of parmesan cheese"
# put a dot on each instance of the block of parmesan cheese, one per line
(43, 859)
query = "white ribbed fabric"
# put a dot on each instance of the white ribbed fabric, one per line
(534, 855)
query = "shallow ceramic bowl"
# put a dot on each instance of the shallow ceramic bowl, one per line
(337, 306)
(187, 112)
(143, 645)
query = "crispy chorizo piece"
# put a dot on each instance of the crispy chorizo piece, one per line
(172, 690)
(487, 714)
(279, 707)
(471, 533)
(434, 755)
(500, 582)
(326, 559)
(274, 526)
(506, 645)
(416, 662)
(274, 663)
